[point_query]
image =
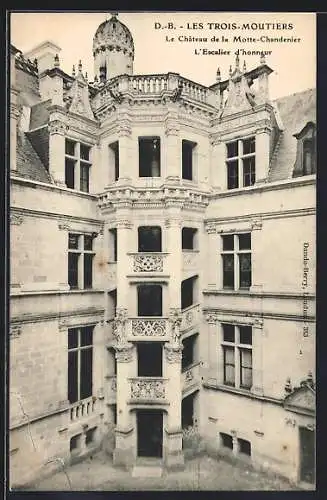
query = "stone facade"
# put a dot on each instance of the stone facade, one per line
(244, 383)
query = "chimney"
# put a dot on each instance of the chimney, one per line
(45, 54)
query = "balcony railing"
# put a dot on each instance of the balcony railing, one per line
(148, 262)
(152, 85)
(143, 328)
(191, 377)
(82, 409)
(190, 260)
(148, 389)
(190, 317)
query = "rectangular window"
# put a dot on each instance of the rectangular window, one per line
(189, 238)
(149, 239)
(187, 292)
(114, 160)
(80, 363)
(226, 440)
(240, 162)
(189, 351)
(237, 355)
(236, 261)
(188, 159)
(149, 300)
(80, 261)
(244, 446)
(113, 245)
(77, 165)
(149, 157)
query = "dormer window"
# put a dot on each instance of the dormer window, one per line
(240, 163)
(305, 163)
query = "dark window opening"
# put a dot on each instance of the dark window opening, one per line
(248, 146)
(228, 332)
(187, 293)
(88, 242)
(80, 363)
(73, 269)
(149, 359)
(244, 447)
(113, 245)
(70, 147)
(70, 173)
(85, 152)
(187, 159)
(149, 239)
(308, 156)
(228, 242)
(88, 270)
(188, 352)
(188, 411)
(232, 174)
(85, 177)
(229, 365)
(74, 443)
(149, 157)
(149, 300)
(245, 270)
(112, 295)
(114, 147)
(232, 149)
(226, 440)
(244, 241)
(103, 73)
(90, 436)
(245, 335)
(188, 238)
(114, 413)
(228, 271)
(249, 171)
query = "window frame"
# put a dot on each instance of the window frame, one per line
(237, 162)
(80, 165)
(79, 348)
(143, 140)
(81, 253)
(238, 254)
(238, 348)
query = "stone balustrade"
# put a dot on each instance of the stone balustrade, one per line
(147, 389)
(82, 409)
(152, 85)
(190, 317)
(191, 377)
(147, 262)
(146, 328)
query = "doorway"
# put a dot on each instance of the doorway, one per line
(307, 455)
(149, 433)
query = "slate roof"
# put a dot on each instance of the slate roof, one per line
(295, 111)
(29, 164)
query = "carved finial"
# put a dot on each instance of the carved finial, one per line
(80, 67)
(262, 58)
(73, 71)
(114, 15)
(35, 62)
(56, 61)
(86, 77)
(218, 78)
(96, 79)
(288, 385)
(244, 67)
(230, 71)
(310, 379)
(237, 62)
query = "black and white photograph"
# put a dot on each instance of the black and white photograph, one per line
(162, 178)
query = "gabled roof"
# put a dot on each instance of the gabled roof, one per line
(301, 400)
(295, 111)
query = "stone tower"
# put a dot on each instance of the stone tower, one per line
(113, 50)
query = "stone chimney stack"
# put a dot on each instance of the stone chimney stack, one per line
(45, 54)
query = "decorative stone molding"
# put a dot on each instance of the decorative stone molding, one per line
(258, 323)
(173, 353)
(124, 353)
(256, 224)
(173, 222)
(57, 127)
(148, 389)
(124, 128)
(211, 228)
(63, 226)
(210, 317)
(172, 127)
(123, 224)
(15, 331)
(16, 220)
(149, 327)
(175, 318)
(149, 262)
(119, 326)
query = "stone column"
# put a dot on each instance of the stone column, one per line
(125, 149)
(173, 441)
(124, 450)
(262, 146)
(57, 151)
(124, 226)
(173, 148)
(257, 356)
(174, 257)
(257, 265)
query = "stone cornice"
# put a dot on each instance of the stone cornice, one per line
(254, 221)
(213, 315)
(64, 221)
(34, 318)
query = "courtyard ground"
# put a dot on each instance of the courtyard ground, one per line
(203, 473)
